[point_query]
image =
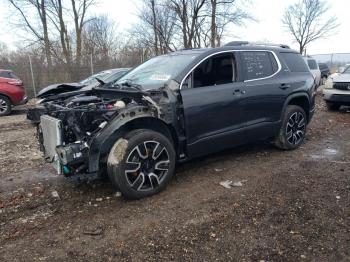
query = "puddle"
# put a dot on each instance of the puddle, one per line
(330, 151)
(325, 153)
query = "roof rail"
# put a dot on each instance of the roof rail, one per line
(243, 43)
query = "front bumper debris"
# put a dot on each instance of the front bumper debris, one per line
(51, 132)
(72, 154)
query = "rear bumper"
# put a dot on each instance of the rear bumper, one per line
(336, 96)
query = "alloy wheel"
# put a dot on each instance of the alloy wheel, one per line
(3, 106)
(146, 166)
(295, 129)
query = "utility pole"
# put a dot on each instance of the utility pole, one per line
(92, 65)
(32, 74)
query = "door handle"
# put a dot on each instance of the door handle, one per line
(285, 86)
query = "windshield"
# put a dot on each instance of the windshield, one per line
(347, 70)
(157, 71)
(113, 77)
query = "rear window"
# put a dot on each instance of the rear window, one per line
(323, 66)
(258, 64)
(312, 64)
(295, 62)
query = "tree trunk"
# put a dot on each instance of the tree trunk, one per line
(155, 27)
(78, 30)
(64, 39)
(213, 29)
(46, 38)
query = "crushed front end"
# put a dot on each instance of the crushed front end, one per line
(75, 132)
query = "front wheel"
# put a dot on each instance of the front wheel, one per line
(141, 163)
(293, 128)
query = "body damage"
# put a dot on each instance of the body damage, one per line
(59, 88)
(92, 121)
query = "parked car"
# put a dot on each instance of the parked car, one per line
(313, 66)
(12, 92)
(177, 107)
(325, 72)
(337, 90)
(91, 81)
(109, 79)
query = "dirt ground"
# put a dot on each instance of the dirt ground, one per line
(292, 206)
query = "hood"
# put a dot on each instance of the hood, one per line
(341, 78)
(58, 89)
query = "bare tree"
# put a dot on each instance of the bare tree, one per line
(156, 28)
(99, 39)
(224, 13)
(79, 8)
(166, 25)
(57, 18)
(306, 21)
(41, 32)
(190, 15)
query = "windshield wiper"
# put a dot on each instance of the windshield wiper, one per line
(100, 81)
(129, 83)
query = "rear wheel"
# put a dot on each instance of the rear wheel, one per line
(5, 106)
(141, 163)
(293, 129)
(333, 106)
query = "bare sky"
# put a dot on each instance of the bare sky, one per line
(267, 28)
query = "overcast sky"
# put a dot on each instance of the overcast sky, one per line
(268, 27)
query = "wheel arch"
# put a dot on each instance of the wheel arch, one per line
(7, 96)
(299, 99)
(102, 145)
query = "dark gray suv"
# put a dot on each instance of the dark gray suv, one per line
(177, 107)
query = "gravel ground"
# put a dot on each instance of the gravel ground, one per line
(291, 206)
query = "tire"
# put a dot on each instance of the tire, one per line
(293, 128)
(5, 106)
(141, 163)
(332, 106)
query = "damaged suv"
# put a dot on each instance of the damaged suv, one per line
(177, 107)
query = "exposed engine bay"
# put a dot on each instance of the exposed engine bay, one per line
(84, 121)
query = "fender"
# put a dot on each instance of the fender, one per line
(105, 139)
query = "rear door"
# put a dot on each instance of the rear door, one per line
(265, 93)
(212, 95)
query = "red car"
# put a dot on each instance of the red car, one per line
(12, 92)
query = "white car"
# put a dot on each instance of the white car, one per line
(337, 90)
(314, 69)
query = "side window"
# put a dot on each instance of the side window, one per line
(188, 82)
(12, 75)
(216, 70)
(258, 64)
(3, 74)
(312, 64)
(295, 62)
(7, 74)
